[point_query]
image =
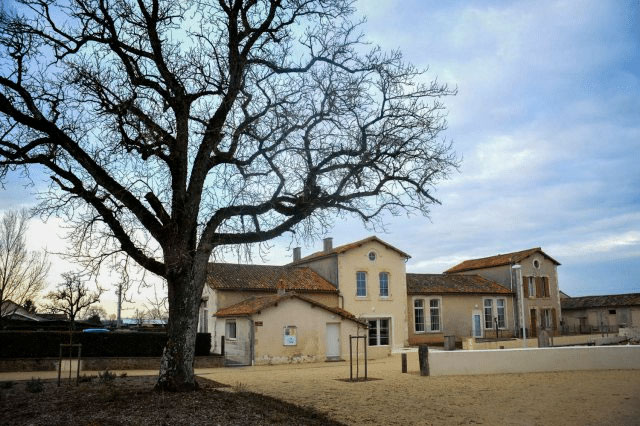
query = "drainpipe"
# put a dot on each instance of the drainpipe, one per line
(524, 331)
(513, 305)
(341, 298)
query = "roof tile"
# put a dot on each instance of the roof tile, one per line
(452, 284)
(231, 276)
(609, 300)
(254, 305)
(498, 260)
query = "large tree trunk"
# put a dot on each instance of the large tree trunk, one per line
(176, 366)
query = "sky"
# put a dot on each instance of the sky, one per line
(546, 121)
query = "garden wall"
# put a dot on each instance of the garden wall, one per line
(534, 360)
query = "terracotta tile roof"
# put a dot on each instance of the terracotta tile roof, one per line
(345, 247)
(452, 284)
(498, 260)
(254, 305)
(232, 276)
(610, 300)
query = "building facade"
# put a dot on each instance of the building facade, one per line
(533, 276)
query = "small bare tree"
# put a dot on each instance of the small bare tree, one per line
(94, 314)
(72, 297)
(22, 273)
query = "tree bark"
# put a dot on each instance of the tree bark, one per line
(176, 365)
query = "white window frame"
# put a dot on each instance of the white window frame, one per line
(439, 316)
(377, 320)
(484, 313)
(227, 323)
(546, 318)
(364, 273)
(504, 313)
(424, 318)
(380, 283)
(494, 313)
(531, 283)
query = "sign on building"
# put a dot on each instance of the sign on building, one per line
(290, 335)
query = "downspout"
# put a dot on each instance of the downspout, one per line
(513, 302)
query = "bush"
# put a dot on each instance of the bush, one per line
(42, 344)
(106, 377)
(7, 385)
(34, 385)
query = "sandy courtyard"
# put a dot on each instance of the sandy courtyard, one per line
(595, 397)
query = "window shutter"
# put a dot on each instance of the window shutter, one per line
(525, 286)
(539, 287)
(547, 290)
(554, 319)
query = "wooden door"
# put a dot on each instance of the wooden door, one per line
(534, 323)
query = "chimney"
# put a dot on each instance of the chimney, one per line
(327, 244)
(280, 288)
(296, 254)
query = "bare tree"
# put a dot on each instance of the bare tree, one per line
(139, 315)
(156, 308)
(94, 314)
(171, 129)
(72, 297)
(22, 273)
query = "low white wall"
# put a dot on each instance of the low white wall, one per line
(534, 359)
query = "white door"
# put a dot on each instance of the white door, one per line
(477, 325)
(333, 341)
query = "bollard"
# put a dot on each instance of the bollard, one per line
(404, 363)
(423, 359)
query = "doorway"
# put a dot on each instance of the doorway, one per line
(333, 341)
(476, 323)
(534, 323)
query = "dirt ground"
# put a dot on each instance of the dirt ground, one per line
(132, 401)
(593, 397)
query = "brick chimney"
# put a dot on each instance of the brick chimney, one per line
(327, 244)
(297, 254)
(281, 288)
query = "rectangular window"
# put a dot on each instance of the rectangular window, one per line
(418, 315)
(379, 332)
(546, 318)
(373, 332)
(230, 329)
(434, 307)
(361, 284)
(384, 284)
(488, 314)
(532, 286)
(500, 306)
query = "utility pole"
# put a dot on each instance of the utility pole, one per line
(119, 313)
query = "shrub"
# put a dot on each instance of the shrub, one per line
(6, 385)
(41, 344)
(85, 379)
(106, 377)
(34, 385)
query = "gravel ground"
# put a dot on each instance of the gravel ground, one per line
(131, 401)
(564, 398)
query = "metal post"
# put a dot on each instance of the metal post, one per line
(79, 358)
(59, 364)
(350, 358)
(222, 345)
(365, 358)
